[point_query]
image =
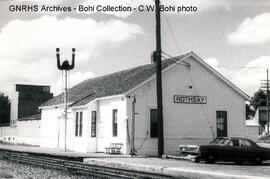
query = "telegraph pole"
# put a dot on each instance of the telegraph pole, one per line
(267, 98)
(159, 82)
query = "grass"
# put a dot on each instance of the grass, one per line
(6, 175)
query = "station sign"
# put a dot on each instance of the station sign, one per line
(190, 99)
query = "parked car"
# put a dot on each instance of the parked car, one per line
(232, 149)
(193, 149)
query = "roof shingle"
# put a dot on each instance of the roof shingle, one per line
(111, 84)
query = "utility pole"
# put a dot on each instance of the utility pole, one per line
(159, 82)
(267, 98)
(132, 151)
(66, 67)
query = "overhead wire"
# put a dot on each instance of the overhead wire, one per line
(204, 112)
(171, 30)
(243, 67)
(193, 84)
(172, 57)
(196, 92)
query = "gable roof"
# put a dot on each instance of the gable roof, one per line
(220, 76)
(111, 84)
(122, 82)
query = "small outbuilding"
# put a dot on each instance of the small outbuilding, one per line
(198, 105)
(25, 117)
(261, 119)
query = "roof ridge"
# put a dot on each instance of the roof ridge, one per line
(171, 58)
(112, 83)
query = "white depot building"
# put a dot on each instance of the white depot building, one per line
(198, 104)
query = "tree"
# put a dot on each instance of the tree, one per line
(4, 109)
(259, 99)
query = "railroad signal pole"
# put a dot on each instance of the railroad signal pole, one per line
(159, 81)
(265, 85)
(66, 67)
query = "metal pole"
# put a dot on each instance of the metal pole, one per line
(65, 111)
(132, 152)
(58, 134)
(66, 67)
(159, 82)
(267, 99)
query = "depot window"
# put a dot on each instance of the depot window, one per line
(153, 123)
(78, 124)
(114, 122)
(94, 124)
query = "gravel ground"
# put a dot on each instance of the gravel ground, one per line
(228, 168)
(10, 170)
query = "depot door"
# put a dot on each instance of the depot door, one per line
(221, 123)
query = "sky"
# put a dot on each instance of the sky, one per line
(233, 36)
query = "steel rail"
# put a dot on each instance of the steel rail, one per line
(75, 167)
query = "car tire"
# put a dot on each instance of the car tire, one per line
(257, 160)
(238, 162)
(210, 158)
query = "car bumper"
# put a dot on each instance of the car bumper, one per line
(188, 149)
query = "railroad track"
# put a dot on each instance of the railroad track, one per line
(75, 166)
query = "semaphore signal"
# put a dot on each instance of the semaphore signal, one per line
(66, 67)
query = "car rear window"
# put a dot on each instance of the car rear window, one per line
(247, 143)
(234, 143)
